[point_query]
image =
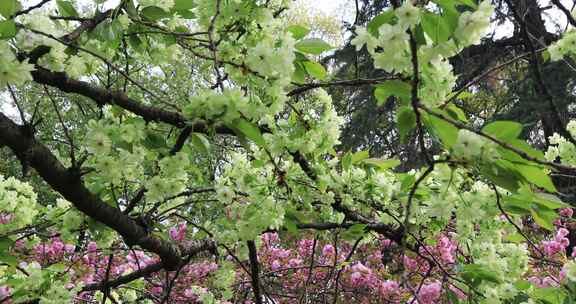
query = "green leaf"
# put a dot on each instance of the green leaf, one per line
(449, 13)
(154, 13)
(452, 297)
(504, 130)
(503, 174)
(8, 259)
(299, 75)
(537, 176)
(201, 142)
(360, 156)
(58, 267)
(389, 88)
(354, 232)
(522, 285)
(546, 56)
(469, 3)
(250, 130)
(154, 141)
(291, 222)
(446, 132)
(131, 9)
(515, 205)
(186, 14)
(300, 57)
(549, 201)
(406, 122)
(298, 31)
(183, 4)
(136, 43)
(66, 9)
(313, 46)
(544, 217)
(9, 7)
(515, 238)
(5, 244)
(549, 295)
(522, 146)
(7, 29)
(475, 274)
(522, 202)
(110, 32)
(384, 18)
(315, 69)
(419, 35)
(346, 161)
(383, 164)
(436, 27)
(407, 182)
(526, 148)
(456, 113)
(290, 226)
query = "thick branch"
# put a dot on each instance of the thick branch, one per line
(102, 96)
(254, 272)
(69, 184)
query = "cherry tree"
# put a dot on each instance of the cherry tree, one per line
(177, 151)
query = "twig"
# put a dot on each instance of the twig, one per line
(351, 82)
(518, 229)
(342, 268)
(26, 11)
(66, 133)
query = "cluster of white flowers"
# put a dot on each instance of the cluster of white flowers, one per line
(508, 262)
(318, 131)
(161, 53)
(13, 71)
(46, 284)
(117, 153)
(226, 107)
(163, 4)
(570, 270)
(438, 81)
(57, 59)
(561, 148)
(395, 56)
(363, 37)
(392, 37)
(408, 15)
(271, 61)
(472, 26)
(437, 74)
(470, 145)
(563, 47)
(66, 217)
(172, 178)
(257, 209)
(17, 204)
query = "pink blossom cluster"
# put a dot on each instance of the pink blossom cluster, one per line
(369, 272)
(178, 233)
(444, 250)
(6, 218)
(53, 251)
(430, 293)
(558, 244)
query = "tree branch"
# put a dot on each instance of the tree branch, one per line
(69, 184)
(254, 272)
(193, 250)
